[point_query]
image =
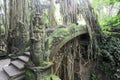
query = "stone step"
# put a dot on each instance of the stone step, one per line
(27, 53)
(24, 58)
(12, 71)
(18, 64)
(18, 78)
(4, 62)
(3, 76)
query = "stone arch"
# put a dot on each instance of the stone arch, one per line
(71, 57)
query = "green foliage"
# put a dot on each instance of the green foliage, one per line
(108, 2)
(100, 6)
(108, 60)
(52, 77)
(111, 1)
(110, 56)
(93, 76)
(110, 24)
(29, 75)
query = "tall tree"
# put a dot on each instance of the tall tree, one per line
(68, 10)
(52, 20)
(18, 29)
(6, 19)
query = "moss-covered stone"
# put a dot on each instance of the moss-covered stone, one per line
(40, 72)
(61, 35)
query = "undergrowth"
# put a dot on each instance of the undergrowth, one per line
(109, 59)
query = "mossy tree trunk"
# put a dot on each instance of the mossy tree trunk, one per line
(18, 29)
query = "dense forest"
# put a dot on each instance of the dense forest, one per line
(59, 39)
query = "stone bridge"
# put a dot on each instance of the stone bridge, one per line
(59, 37)
(68, 50)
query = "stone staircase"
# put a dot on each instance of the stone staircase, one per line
(15, 70)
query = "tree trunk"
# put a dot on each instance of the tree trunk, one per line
(6, 19)
(52, 20)
(18, 29)
(68, 11)
(93, 26)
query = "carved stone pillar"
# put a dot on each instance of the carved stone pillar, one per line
(37, 40)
